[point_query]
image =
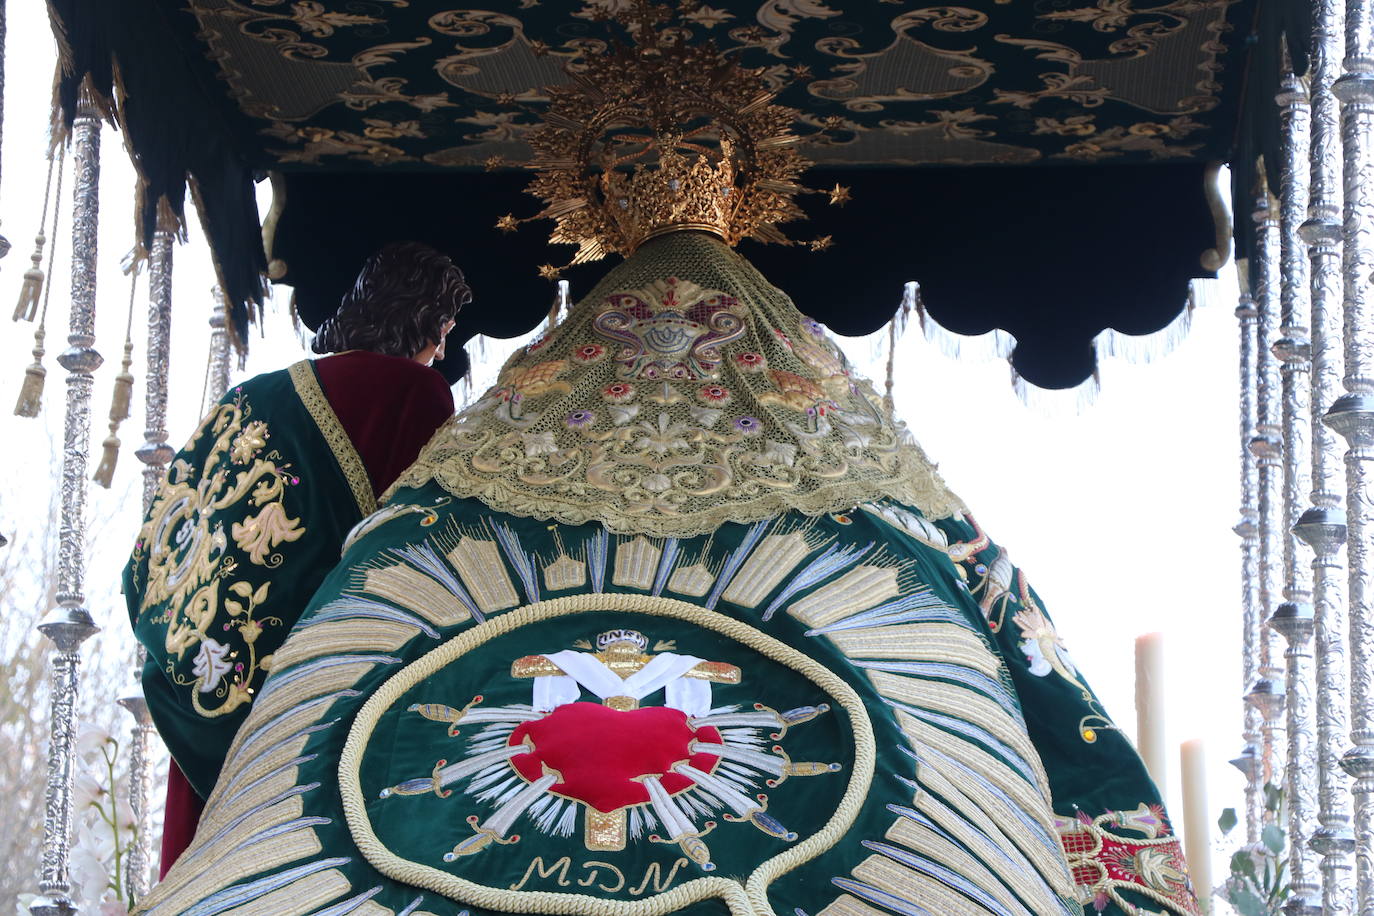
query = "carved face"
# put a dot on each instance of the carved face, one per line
(672, 329)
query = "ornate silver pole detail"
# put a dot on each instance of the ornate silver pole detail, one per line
(1323, 525)
(219, 349)
(1293, 618)
(1248, 530)
(70, 624)
(155, 453)
(1266, 693)
(1352, 416)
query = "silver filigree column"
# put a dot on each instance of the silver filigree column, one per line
(1323, 525)
(1247, 529)
(70, 624)
(219, 350)
(1352, 416)
(1293, 618)
(155, 453)
(1266, 692)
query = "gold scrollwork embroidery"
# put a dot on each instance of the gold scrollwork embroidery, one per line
(189, 557)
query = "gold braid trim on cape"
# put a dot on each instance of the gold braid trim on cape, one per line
(684, 392)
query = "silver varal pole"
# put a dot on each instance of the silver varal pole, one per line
(1248, 530)
(1352, 417)
(155, 453)
(1323, 525)
(1266, 693)
(1293, 618)
(70, 624)
(219, 348)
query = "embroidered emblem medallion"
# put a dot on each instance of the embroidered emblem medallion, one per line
(635, 752)
(672, 329)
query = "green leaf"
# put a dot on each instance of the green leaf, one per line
(1247, 903)
(1273, 797)
(1228, 820)
(1273, 839)
(1243, 865)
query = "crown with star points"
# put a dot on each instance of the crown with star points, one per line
(611, 637)
(658, 136)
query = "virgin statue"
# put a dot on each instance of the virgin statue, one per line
(675, 618)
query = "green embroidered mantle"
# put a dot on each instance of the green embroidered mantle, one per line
(242, 530)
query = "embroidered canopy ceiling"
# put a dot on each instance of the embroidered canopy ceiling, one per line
(1038, 167)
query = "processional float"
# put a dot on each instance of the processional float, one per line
(1131, 105)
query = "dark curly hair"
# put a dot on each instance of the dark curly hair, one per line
(399, 303)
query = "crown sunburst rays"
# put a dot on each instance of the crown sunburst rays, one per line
(660, 136)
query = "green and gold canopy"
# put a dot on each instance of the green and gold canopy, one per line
(1066, 142)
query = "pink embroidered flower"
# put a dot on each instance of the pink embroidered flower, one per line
(782, 338)
(750, 426)
(618, 392)
(536, 345)
(588, 354)
(750, 362)
(714, 394)
(579, 418)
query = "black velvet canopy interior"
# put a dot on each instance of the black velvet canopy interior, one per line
(1035, 167)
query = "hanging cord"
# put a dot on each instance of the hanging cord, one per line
(4, 29)
(123, 388)
(31, 392)
(32, 288)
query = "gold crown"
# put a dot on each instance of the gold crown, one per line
(660, 136)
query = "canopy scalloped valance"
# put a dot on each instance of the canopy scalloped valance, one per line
(1038, 168)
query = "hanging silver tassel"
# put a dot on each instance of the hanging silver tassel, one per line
(31, 392)
(119, 412)
(31, 292)
(123, 383)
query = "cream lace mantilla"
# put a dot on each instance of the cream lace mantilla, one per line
(684, 392)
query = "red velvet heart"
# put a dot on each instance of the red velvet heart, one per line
(600, 752)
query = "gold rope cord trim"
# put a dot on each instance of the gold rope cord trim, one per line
(752, 412)
(748, 900)
(312, 396)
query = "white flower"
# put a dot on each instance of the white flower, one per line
(775, 452)
(656, 483)
(90, 738)
(211, 664)
(537, 444)
(705, 417)
(124, 815)
(622, 415)
(1039, 665)
(663, 438)
(86, 789)
(89, 873)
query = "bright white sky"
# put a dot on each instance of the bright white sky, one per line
(1120, 515)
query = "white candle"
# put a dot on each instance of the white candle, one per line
(1149, 707)
(1197, 834)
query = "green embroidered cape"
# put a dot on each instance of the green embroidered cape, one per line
(859, 714)
(247, 522)
(676, 619)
